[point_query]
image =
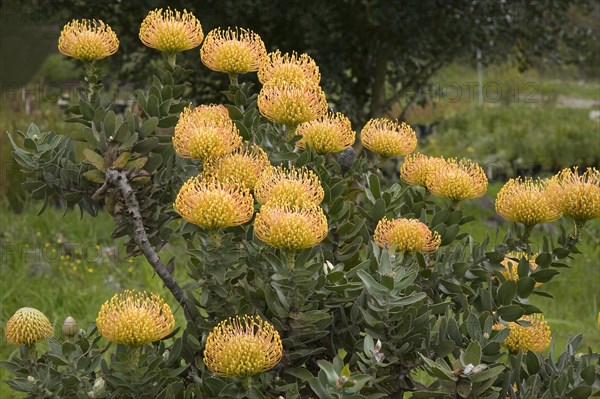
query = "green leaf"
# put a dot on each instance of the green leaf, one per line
(580, 392)
(95, 176)
(544, 259)
(472, 355)
(525, 286)
(110, 121)
(507, 292)
(511, 313)
(86, 110)
(543, 276)
(372, 286)
(533, 363)
(95, 159)
(148, 126)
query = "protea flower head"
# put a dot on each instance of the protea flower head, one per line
(535, 338)
(292, 187)
(204, 132)
(233, 51)
(457, 180)
(330, 133)
(211, 204)
(408, 235)
(242, 347)
(511, 266)
(290, 228)
(417, 168)
(243, 166)
(525, 201)
(87, 40)
(388, 138)
(292, 105)
(574, 195)
(135, 318)
(171, 31)
(27, 326)
(289, 69)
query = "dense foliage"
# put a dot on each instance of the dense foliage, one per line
(345, 282)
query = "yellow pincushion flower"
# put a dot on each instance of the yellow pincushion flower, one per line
(574, 195)
(290, 228)
(135, 318)
(330, 133)
(525, 201)
(233, 51)
(292, 187)
(204, 132)
(535, 338)
(243, 166)
(27, 326)
(171, 31)
(242, 347)
(418, 168)
(388, 138)
(289, 69)
(511, 267)
(409, 235)
(87, 40)
(457, 180)
(213, 205)
(292, 105)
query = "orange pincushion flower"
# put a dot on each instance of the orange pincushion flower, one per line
(418, 168)
(330, 133)
(409, 235)
(211, 204)
(388, 138)
(241, 347)
(87, 40)
(243, 166)
(233, 51)
(135, 318)
(204, 132)
(289, 69)
(292, 187)
(292, 105)
(535, 338)
(574, 195)
(457, 180)
(27, 326)
(171, 31)
(290, 228)
(525, 202)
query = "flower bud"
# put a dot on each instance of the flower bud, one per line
(31, 379)
(99, 386)
(70, 327)
(165, 355)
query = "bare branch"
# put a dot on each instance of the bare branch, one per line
(119, 180)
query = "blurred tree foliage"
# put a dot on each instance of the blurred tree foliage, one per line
(386, 50)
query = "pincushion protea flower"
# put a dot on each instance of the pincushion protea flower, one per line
(330, 133)
(535, 338)
(87, 40)
(293, 187)
(457, 180)
(289, 69)
(204, 132)
(409, 235)
(171, 31)
(135, 318)
(233, 51)
(243, 166)
(27, 326)
(292, 105)
(242, 347)
(511, 266)
(388, 138)
(574, 195)
(213, 205)
(417, 168)
(290, 228)
(525, 201)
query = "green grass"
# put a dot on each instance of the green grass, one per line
(64, 265)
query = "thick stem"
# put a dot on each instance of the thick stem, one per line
(290, 260)
(215, 238)
(172, 59)
(118, 179)
(525, 240)
(133, 353)
(233, 80)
